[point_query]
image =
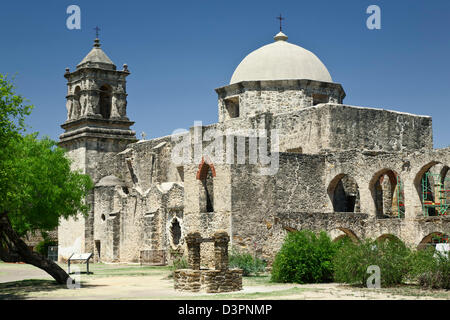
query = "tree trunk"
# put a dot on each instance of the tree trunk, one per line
(29, 256)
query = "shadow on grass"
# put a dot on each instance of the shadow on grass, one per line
(18, 290)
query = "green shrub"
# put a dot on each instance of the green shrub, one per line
(42, 247)
(246, 262)
(305, 258)
(180, 263)
(430, 269)
(352, 260)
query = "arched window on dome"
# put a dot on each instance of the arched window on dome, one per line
(105, 101)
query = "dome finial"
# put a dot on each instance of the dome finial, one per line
(280, 36)
(96, 41)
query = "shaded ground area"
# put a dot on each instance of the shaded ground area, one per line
(118, 281)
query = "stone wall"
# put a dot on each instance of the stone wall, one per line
(336, 127)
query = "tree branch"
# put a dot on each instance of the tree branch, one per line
(29, 256)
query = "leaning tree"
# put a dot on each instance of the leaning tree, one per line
(37, 186)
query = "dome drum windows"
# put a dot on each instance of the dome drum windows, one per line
(232, 107)
(320, 98)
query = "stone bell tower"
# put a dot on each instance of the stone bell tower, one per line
(96, 125)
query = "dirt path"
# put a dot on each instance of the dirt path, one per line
(134, 282)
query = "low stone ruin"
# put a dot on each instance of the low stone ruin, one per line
(219, 279)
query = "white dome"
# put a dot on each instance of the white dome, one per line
(280, 60)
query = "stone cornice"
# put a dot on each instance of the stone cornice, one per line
(97, 122)
(294, 84)
(82, 70)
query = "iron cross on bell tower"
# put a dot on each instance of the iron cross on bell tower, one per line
(97, 29)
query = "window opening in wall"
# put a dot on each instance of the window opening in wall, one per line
(345, 194)
(97, 248)
(435, 194)
(232, 107)
(76, 107)
(175, 230)
(295, 150)
(206, 174)
(105, 101)
(181, 173)
(208, 187)
(320, 98)
(388, 195)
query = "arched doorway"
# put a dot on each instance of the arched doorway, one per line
(344, 194)
(388, 194)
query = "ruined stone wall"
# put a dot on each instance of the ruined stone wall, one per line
(334, 127)
(146, 204)
(376, 129)
(130, 222)
(367, 167)
(207, 222)
(298, 185)
(264, 209)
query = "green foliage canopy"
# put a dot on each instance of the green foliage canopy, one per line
(37, 186)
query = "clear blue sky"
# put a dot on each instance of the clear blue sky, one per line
(179, 51)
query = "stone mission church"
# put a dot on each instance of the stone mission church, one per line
(352, 171)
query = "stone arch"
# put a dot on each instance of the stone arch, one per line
(339, 233)
(344, 194)
(445, 185)
(105, 101)
(76, 107)
(204, 167)
(432, 238)
(444, 172)
(206, 173)
(426, 183)
(388, 194)
(387, 236)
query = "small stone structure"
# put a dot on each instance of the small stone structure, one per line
(219, 279)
